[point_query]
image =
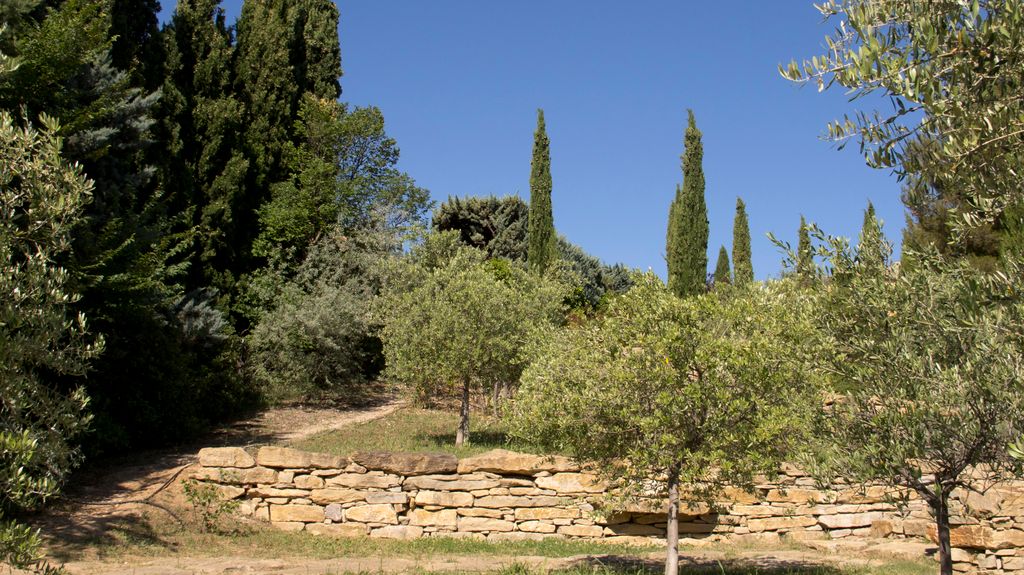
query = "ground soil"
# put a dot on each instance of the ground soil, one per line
(137, 488)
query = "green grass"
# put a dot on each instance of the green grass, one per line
(414, 430)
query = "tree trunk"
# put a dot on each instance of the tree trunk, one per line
(496, 398)
(672, 533)
(462, 436)
(940, 507)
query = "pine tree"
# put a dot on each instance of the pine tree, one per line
(687, 241)
(805, 269)
(741, 257)
(872, 249)
(722, 273)
(541, 228)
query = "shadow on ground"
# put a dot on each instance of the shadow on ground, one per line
(765, 565)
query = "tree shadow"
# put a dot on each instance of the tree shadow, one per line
(616, 564)
(490, 439)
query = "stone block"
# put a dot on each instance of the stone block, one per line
(407, 464)
(275, 492)
(443, 518)
(471, 482)
(967, 536)
(282, 457)
(536, 527)
(303, 513)
(334, 512)
(591, 531)
(380, 513)
(480, 512)
(396, 498)
(288, 525)
(225, 457)
(634, 530)
(795, 496)
(365, 480)
(572, 483)
(338, 529)
(308, 482)
(514, 501)
(398, 532)
(531, 513)
(849, 520)
(336, 495)
(234, 476)
(444, 499)
(506, 462)
(484, 524)
(777, 523)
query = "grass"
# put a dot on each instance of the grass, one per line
(414, 430)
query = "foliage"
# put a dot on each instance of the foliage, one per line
(741, 254)
(805, 268)
(208, 504)
(317, 337)
(872, 249)
(927, 363)
(495, 225)
(42, 198)
(951, 70)
(541, 239)
(663, 391)
(452, 321)
(723, 275)
(687, 238)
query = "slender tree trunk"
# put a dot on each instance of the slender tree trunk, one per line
(462, 436)
(672, 533)
(940, 507)
(496, 398)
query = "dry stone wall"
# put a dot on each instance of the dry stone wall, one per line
(503, 495)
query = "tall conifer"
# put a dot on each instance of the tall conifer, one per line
(741, 259)
(872, 250)
(687, 241)
(541, 227)
(722, 273)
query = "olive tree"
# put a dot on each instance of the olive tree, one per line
(453, 321)
(41, 198)
(667, 392)
(926, 364)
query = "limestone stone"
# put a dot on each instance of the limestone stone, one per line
(757, 510)
(582, 531)
(308, 482)
(262, 513)
(444, 499)
(472, 482)
(849, 520)
(275, 492)
(336, 495)
(802, 535)
(484, 524)
(338, 529)
(480, 512)
(443, 518)
(365, 480)
(303, 513)
(644, 541)
(612, 518)
(795, 496)
(333, 512)
(506, 462)
(967, 536)
(398, 498)
(230, 491)
(776, 523)
(407, 464)
(1008, 539)
(530, 513)
(513, 501)
(398, 532)
(327, 461)
(225, 457)
(882, 528)
(234, 476)
(282, 457)
(739, 496)
(289, 525)
(571, 483)
(285, 476)
(379, 513)
(536, 527)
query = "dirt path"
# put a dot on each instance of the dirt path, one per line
(749, 560)
(116, 491)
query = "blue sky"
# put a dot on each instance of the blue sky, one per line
(459, 83)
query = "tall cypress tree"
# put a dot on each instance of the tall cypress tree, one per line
(722, 273)
(804, 255)
(687, 241)
(741, 258)
(872, 250)
(541, 227)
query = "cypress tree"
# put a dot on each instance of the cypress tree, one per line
(687, 241)
(741, 258)
(804, 254)
(722, 273)
(871, 249)
(541, 227)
